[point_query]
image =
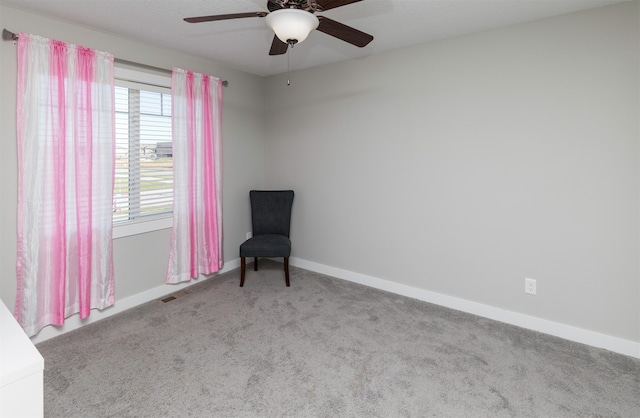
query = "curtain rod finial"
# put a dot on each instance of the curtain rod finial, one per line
(9, 36)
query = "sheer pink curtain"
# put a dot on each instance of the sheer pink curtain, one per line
(65, 134)
(196, 240)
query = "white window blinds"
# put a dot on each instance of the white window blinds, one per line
(144, 165)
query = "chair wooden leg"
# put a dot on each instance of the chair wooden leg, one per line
(286, 270)
(243, 267)
(255, 264)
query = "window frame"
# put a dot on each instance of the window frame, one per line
(127, 77)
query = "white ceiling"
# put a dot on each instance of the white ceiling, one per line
(244, 43)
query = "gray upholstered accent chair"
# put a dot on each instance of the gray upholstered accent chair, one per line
(271, 220)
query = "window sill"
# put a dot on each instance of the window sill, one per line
(136, 228)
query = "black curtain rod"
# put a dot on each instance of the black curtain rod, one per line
(10, 36)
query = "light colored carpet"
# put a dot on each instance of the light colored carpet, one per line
(323, 348)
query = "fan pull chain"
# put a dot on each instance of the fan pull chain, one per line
(288, 67)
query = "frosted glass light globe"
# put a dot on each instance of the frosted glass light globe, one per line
(291, 24)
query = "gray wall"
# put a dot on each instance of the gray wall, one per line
(140, 261)
(465, 165)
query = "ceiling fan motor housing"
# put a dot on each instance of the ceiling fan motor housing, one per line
(308, 5)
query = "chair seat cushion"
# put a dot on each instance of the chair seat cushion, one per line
(268, 245)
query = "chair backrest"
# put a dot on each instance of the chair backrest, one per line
(271, 211)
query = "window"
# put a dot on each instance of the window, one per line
(143, 188)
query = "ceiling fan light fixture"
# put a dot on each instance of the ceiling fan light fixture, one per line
(291, 25)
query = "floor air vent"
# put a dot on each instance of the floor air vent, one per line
(175, 296)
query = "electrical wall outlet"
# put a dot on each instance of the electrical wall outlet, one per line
(249, 235)
(530, 286)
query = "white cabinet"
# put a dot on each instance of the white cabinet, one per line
(21, 367)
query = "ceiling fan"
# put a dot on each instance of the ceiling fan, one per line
(292, 20)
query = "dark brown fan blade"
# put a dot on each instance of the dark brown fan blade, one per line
(344, 32)
(224, 17)
(278, 47)
(332, 4)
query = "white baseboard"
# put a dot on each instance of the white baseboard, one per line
(580, 335)
(121, 305)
